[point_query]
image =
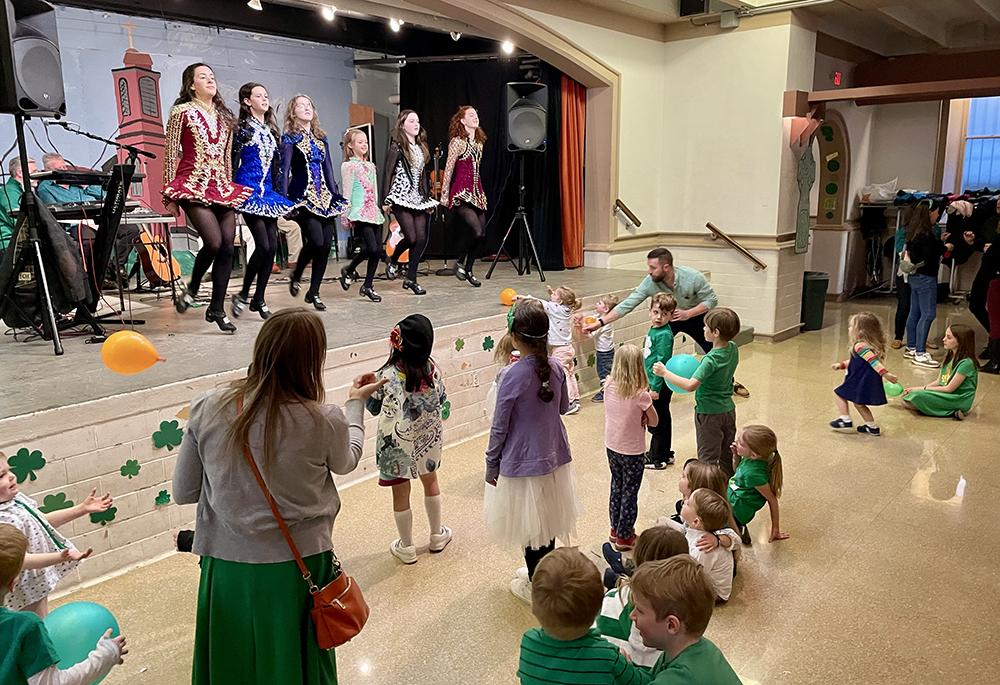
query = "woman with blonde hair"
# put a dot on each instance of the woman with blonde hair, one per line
(462, 188)
(252, 593)
(307, 180)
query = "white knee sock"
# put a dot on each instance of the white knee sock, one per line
(404, 524)
(433, 506)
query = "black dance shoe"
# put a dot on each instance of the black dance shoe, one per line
(472, 279)
(460, 272)
(260, 307)
(219, 318)
(370, 294)
(315, 301)
(414, 286)
(294, 286)
(345, 279)
(392, 270)
(239, 302)
(184, 298)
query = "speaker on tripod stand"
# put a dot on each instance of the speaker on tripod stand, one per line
(526, 126)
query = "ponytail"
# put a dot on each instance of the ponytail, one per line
(544, 372)
(775, 478)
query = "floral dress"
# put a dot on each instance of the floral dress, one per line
(34, 584)
(461, 174)
(409, 439)
(358, 177)
(204, 172)
(255, 156)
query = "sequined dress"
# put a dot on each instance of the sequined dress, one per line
(307, 174)
(359, 181)
(255, 156)
(407, 185)
(203, 173)
(461, 174)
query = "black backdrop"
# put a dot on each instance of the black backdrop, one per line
(435, 91)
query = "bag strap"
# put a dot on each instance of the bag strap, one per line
(274, 509)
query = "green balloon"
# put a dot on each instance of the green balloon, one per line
(75, 629)
(893, 389)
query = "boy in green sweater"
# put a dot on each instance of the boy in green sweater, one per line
(566, 596)
(673, 604)
(659, 347)
(712, 384)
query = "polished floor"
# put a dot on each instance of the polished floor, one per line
(890, 574)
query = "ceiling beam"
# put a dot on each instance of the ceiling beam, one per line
(987, 11)
(910, 92)
(919, 24)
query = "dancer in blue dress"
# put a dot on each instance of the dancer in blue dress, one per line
(307, 180)
(255, 161)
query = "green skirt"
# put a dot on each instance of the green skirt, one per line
(940, 404)
(254, 625)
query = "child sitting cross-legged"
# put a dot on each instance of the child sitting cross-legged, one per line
(673, 602)
(566, 596)
(704, 512)
(28, 654)
(655, 544)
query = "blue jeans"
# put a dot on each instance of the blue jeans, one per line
(604, 362)
(923, 309)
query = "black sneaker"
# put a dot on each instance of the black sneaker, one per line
(614, 559)
(865, 429)
(840, 424)
(656, 465)
(745, 536)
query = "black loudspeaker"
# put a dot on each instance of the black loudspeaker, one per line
(31, 79)
(690, 8)
(526, 116)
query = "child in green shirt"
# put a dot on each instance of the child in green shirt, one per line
(659, 347)
(712, 384)
(673, 601)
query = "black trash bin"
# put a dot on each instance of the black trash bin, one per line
(814, 286)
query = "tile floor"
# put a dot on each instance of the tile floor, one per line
(890, 575)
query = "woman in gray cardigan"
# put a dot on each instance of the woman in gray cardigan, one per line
(253, 623)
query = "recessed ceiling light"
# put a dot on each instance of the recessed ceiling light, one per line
(328, 12)
(508, 47)
(255, 5)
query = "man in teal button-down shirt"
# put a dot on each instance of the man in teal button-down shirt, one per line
(51, 192)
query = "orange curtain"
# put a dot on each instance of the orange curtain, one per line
(571, 141)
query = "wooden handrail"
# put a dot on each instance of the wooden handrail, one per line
(632, 218)
(716, 233)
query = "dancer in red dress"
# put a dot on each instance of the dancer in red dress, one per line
(200, 133)
(461, 187)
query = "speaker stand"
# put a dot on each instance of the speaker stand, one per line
(524, 236)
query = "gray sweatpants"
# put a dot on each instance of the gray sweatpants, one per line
(715, 434)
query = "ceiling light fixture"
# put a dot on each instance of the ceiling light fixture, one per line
(328, 12)
(507, 47)
(456, 35)
(394, 24)
(255, 5)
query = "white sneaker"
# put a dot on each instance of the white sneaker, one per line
(522, 573)
(439, 542)
(910, 353)
(407, 555)
(926, 360)
(574, 407)
(521, 589)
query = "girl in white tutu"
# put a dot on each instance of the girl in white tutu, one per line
(531, 486)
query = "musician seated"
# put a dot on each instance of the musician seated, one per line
(10, 199)
(51, 192)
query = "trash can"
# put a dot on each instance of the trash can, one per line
(814, 286)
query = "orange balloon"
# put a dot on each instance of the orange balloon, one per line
(590, 319)
(507, 296)
(128, 352)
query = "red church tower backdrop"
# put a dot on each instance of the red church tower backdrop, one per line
(137, 92)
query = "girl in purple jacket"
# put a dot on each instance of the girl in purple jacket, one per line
(531, 486)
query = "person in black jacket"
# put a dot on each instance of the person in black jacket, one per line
(924, 251)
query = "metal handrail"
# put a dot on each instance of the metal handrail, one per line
(632, 219)
(716, 234)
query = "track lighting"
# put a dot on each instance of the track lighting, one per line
(255, 5)
(328, 12)
(456, 36)
(394, 24)
(507, 47)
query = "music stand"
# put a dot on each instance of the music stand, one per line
(524, 236)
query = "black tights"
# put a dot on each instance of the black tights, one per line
(413, 223)
(317, 237)
(216, 226)
(988, 269)
(533, 556)
(475, 220)
(372, 235)
(265, 246)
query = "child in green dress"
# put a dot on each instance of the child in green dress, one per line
(757, 481)
(955, 391)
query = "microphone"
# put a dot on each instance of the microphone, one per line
(68, 125)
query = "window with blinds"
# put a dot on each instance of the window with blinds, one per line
(981, 167)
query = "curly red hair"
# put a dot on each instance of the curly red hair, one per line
(456, 129)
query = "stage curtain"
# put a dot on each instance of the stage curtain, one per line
(573, 129)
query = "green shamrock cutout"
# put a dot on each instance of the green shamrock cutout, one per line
(459, 344)
(24, 464)
(162, 498)
(131, 468)
(55, 503)
(104, 517)
(591, 359)
(445, 411)
(577, 377)
(575, 362)
(488, 343)
(168, 436)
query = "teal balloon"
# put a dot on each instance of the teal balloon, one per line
(893, 389)
(75, 629)
(684, 365)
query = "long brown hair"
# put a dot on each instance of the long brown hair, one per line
(763, 444)
(349, 151)
(966, 349)
(186, 94)
(456, 129)
(919, 221)
(292, 127)
(287, 368)
(246, 90)
(399, 135)
(531, 328)
(868, 330)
